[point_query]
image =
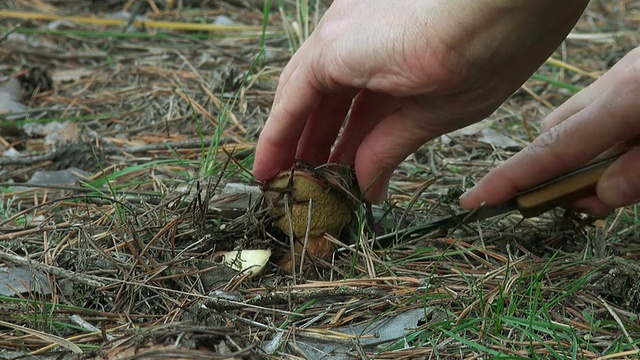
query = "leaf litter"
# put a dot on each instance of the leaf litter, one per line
(161, 126)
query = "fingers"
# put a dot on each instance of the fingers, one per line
(386, 146)
(610, 118)
(306, 115)
(578, 101)
(323, 126)
(368, 110)
(279, 139)
(572, 106)
(282, 133)
(620, 184)
(587, 96)
(591, 205)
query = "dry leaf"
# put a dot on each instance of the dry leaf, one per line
(252, 261)
(10, 94)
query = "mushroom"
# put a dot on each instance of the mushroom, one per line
(330, 212)
(251, 261)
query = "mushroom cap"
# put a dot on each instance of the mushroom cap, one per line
(330, 210)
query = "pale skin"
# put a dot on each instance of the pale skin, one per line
(412, 70)
(606, 112)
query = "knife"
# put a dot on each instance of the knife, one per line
(534, 201)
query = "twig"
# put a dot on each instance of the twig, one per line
(617, 318)
(35, 230)
(166, 25)
(44, 336)
(285, 297)
(187, 144)
(88, 326)
(11, 31)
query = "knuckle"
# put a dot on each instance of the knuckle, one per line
(280, 113)
(382, 159)
(552, 145)
(547, 141)
(549, 122)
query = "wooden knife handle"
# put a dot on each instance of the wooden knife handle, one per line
(570, 187)
(563, 191)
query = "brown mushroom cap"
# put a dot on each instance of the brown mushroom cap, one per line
(330, 211)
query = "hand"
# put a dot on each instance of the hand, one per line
(606, 112)
(413, 71)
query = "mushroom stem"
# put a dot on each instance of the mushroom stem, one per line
(317, 246)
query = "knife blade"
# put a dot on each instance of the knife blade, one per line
(533, 201)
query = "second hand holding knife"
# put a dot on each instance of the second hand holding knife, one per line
(536, 200)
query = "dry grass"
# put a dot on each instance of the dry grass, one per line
(163, 119)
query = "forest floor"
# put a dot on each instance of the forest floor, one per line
(126, 150)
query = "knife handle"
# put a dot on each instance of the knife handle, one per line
(564, 191)
(570, 187)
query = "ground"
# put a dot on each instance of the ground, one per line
(126, 149)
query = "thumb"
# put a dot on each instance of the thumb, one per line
(393, 139)
(620, 184)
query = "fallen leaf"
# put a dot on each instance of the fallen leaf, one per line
(10, 94)
(54, 133)
(487, 135)
(19, 280)
(252, 261)
(57, 178)
(497, 139)
(70, 75)
(44, 336)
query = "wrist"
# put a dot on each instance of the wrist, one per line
(481, 35)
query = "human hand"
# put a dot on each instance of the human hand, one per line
(590, 122)
(413, 71)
